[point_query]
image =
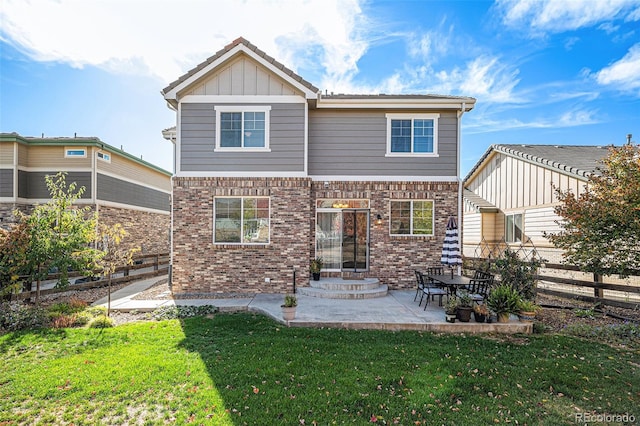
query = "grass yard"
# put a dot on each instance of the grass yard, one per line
(245, 369)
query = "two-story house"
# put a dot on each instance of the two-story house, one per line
(122, 188)
(509, 195)
(271, 173)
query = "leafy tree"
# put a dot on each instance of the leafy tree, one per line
(60, 234)
(113, 255)
(14, 244)
(600, 228)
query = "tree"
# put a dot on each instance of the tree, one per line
(60, 234)
(14, 244)
(600, 228)
(113, 254)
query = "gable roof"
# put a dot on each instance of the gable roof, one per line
(577, 160)
(239, 44)
(478, 203)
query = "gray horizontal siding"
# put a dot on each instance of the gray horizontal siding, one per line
(286, 141)
(120, 191)
(33, 184)
(355, 143)
(6, 182)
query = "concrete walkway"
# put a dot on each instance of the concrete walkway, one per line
(396, 311)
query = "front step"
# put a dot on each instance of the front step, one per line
(338, 288)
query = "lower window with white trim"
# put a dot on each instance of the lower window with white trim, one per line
(411, 217)
(241, 220)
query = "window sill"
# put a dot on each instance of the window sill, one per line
(410, 154)
(241, 245)
(242, 150)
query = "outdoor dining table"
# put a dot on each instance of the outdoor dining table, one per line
(451, 281)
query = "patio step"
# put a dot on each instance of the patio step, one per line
(338, 288)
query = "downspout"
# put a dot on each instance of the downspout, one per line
(460, 114)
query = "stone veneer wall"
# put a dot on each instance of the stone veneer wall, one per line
(147, 230)
(202, 267)
(393, 259)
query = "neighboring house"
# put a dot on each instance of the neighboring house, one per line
(270, 173)
(509, 195)
(122, 188)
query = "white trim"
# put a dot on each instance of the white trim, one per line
(266, 109)
(242, 198)
(411, 234)
(173, 93)
(412, 178)
(412, 117)
(242, 174)
(249, 99)
(131, 207)
(393, 103)
(46, 200)
(136, 182)
(305, 167)
(7, 199)
(67, 149)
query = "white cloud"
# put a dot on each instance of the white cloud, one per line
(483, 123)
(165, 38)
(624, 74)
(541, 16)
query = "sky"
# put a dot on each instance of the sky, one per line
(562, 72)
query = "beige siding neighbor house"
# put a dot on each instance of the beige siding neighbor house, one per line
(509, 195)
(120, 187)
(271, 173)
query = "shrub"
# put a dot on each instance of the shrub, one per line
(95, 311)
(503, 299)
(17, 316)
(82, 318)
(63, 321)
(517, 273)
(101, 321)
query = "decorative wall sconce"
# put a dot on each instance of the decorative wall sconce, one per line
(378, 220)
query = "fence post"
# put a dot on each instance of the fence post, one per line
(157, 264)
(597, 291)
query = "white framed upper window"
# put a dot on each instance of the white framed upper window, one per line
(412, 135)
(411, 217)
(241, 220)
(242, 128)
(104, 156)
(75, 153)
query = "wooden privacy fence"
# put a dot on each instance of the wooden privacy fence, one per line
(157, 262)
(621, 295)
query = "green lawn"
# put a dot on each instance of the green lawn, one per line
(246, 369)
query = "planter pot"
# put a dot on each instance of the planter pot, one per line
(491, 318)
(288, 313)
(526, 316)
(479, 317)
(316, 276)
(503, 317)
(450, 317)
(464, 313)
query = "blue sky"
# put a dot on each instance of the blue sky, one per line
(543, 71)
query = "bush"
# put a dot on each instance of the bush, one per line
(17, 316)
(82, 318)
(101, 321)
(176, 312)
(63, 321)
(95, 311)
(517, 273)
(503, 299)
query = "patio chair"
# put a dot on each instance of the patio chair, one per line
(419, 287)
(435, 270)
(479, 288)
(430, 288)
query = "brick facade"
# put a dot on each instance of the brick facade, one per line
(148, 231)
(202, 267)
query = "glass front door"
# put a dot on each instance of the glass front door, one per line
(355, 240)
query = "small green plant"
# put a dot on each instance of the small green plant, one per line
(82, 318)
(94, 311)
(503, 299)
(177, 312)
(451, 306)
(525, 305)
(290, 301)
(101, 321)
(316, 265)
(585, 313)
(464, 300)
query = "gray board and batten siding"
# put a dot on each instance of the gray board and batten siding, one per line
(6, 182)
(344, 142)
(33, 185)
(286, 141)
(120, 191)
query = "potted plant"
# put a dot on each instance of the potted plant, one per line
(480, 312)
(464, 307)
(450, 309)
(289, 307)
(315, 268)
(503, 300)
(527, 310)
